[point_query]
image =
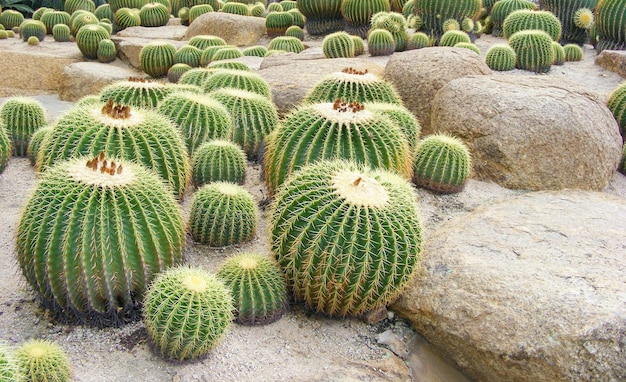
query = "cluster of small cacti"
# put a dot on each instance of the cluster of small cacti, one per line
(358, 13)
(331, 214)
(88, 40)
(52, 18)
(322, 17)
(21, 117)
(32, 28)
(501, 57)
(442, 164)
(576, 18)
(338, 45)
(533, 50)
(501, 9)
(530, 19)
(257, 286)
(396, 24)
(434, 12)
(186, 312)
(41, 360)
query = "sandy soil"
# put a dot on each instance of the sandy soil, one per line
(299, 347)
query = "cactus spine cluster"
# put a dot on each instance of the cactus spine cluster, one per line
(533, 49)
(186, 312)
(338, 45)
(347, 238)
(222, 214)
(566, 11)
(21, 116)
(501, 57)
(257, 286)
(106, 51)
(218, 161)
(41, 360)
(157, 57)
(442, 164)
(610, 19)
(154, 15)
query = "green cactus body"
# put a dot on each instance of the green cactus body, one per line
(137, 93)
(358, 14)
(298, 18)
(176, 71)
(198, 10)
(353, 86)
(71, 6)
(204, 41)
(610, 21)
(157, 57)
(288, 5)
(380, 42)
(254, 117)
(467, 25)
(106, 51)
(231, 65)
(274, 7)
(3, 34)
(566, 10)
(61, 33)
(573, 52)
(38, 12)
(296, 32)
(453, 37)
(218, 161)
(21, 116)
(289, 44)
(442, 164)
(419, 40)
(82, 20)
(346, 237)
(222, 214)
(167, 4)
(33, 28)
(215, 4)
(131, 4)
(195, 76)
(468, 45)
(359, 46)
(141, 135)
(398, 5)
(50, 19)
(108, 27)
(334, 130)
(255, 51)
(236, 9)
(198, 117)
(237, 79)
(434, 12)
(501, 9)
(338, 45)
(127, 18)
(35, 143)
(583, 18)
(408, 10)
(533, 51)
(257, 286)
(617, 105)
(176, 6)
(41, 360)
(208, 53)
(559, 53)
(5, 149)
(9, 369)
(186, 312)
(11, 19)
(276, 23)
(10, 34)
(450, 25)
(501, 57)
(401, 116)
(154, 15)
(33, 40)
(183, 13)
(94, 233)
(322, 17)
(226, 53)
(257, 10)
(104, 11)
(622, 167)
(189, 55)
(530, 19)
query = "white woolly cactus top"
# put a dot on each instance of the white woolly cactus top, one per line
(135, 117)
(359, 189)
(195, 282)
(100, 172)
(342, 115)
(248, 263)
(366, 78)
(227, 188)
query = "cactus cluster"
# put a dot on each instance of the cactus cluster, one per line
(442, 164)
(501, 57)
(574, 30)
(338, 45)
(501, 9)
(52, 18)
(41, 360)
(396, 24)
(21, 117)
(9, 370)
(346, 237)
(434, 12)
(186, 312)
(533, 50)
(88, 39)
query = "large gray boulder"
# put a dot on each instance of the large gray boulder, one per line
(531, 132)
(235, 29)
(85, 78)
(168, 32)
(419, 74)
(613, 60)
(527, 289)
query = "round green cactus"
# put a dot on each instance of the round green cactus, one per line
(131, 4)
(358, 14)
(88, 40)
(186, 312)
(218, 161)
(231, 65)
(442, 164)
(468, 45)
(183, 14)
(434, 12)
(501, 9)
(622, 167)
(104, 11)
(3, 34)
(296, 32)
(195, 76)
(226, 53)
(198, 117)
(467, 25)
(359, 45)
(419, 40)
(209, 52)
(533, 49)
(141, 135)
(337, 45)
(176, 71)
(204, 41)
(198, 10)
(9, 369)
(108, 27)
(573, 52)
(71, 6)
(257, 286)
(257, 10)
(154, 15)
(274, 7)
(127, 18)
(189, 55)
(222, 214)
(276, 23)
(353, 85)
(41, 360)
(10, 19)
(254, 117)
(106, 51)
(39, 12)
(135, 92)
(236, 9)
(85, 18)
(322, 17)
(255, 51)
(380, 42)
(559, 53)
(286, 43)
(501, 57)
(321, 131)
(617, 105)
(530, 19)
(453, 37)
(52, 18)
(21, 117)
(34, 144)
(157, 57)
(5, 148)
(450, 25)
(346, 237)
(61, 33)
(398, 5)
(33, 40)
(401, 116)
(566, 11)
(298, 18)
(237, 79)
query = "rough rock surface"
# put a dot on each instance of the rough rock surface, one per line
(85, 78)
(169, 32)
(528, 289)
(128, 48)
(613, 60)
(236, 30)
(531, 132)
(419, 74)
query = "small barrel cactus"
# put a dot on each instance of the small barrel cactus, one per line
(380, 42)
(401, 116)
(276, 23)
(442, 164)
(230, 65)
(218, 161)
(35, 143)
(84, 18)
(468, 45)
(41, 360)
(298, 18)
(5, 149)
(33, 40)
(204, 41)
(257, 286)
(453, 37)
(186, 312)
(208, 53)
(286, 43)
(52, 18)
(198, 117)
(71, 6)
(236, 9)
(583, 18)
(88, 40)
(531, 19)
(39, 12)
(255, 51)
(419, 40)
(257, 9)
(359, 46)
(157, 57)
(358, 14)
(533, 49)
(346, 237)
(450, 25)
(434, 12)
(500, 57)
(33, 28)
(135, 92)
(237, 79)
(10, 19)
(573, 52)
(103, 11)
(295, 31)
(176, 71)
(21, 116)
(274, 7)
(198, 10)
(189, 55)
(226, 53)
(91, 256)
(617, 105)
(154, 15)
(337, 45)
(127, 18)
(9, 369)
(61, 33)
(322, 16)
(353, 85)
(559, 53)
(222, 214)
(106, 51)
(574, 24)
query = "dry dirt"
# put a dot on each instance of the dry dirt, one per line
(299, 347)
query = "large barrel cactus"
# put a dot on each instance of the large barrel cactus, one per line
(610, 21)
(533, 50)
(531, 19)
(322, 16)
(434, 12)
(21, 116)
(136, 92)
(346, 237)
(41, 360)
(157, 57)
(566, 10)
(502, 8)
(93, 234)
(140, 135)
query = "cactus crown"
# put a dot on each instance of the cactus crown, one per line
(116, 111)
(342, 112)
(359, 189)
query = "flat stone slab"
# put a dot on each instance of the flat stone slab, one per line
(86, 78)
(168, 32)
